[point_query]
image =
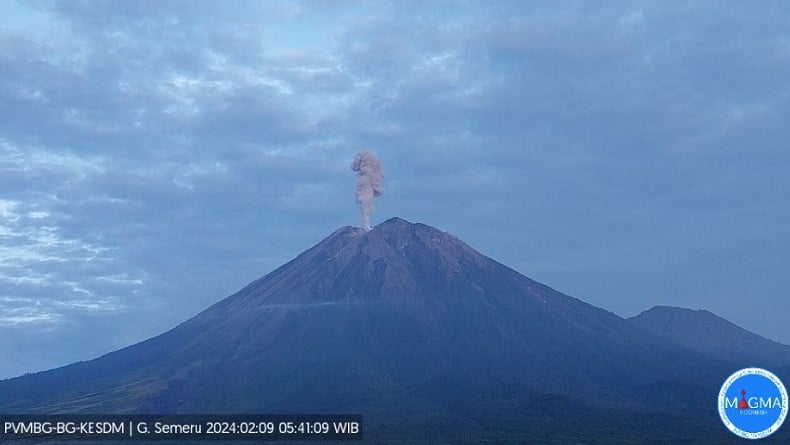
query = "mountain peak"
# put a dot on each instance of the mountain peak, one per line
(400, 225)
(673, 320)
(394, 225)
(392, 239)
(352, 265)
(396, 220)
(678, 312)
(706, 332)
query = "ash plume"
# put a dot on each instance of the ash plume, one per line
(369, 187)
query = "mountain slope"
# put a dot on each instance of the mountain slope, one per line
(705, 332)
(409, 326)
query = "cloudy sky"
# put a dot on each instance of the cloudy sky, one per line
(156, 156)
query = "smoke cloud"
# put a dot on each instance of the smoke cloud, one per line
(369, 178)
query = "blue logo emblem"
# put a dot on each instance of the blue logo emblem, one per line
(753, 403)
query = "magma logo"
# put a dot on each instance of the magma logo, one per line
(753, 403)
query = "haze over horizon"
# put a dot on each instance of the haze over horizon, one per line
(155, 157)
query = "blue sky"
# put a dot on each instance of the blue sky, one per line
(155, 156)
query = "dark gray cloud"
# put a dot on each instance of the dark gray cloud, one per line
(157, 156)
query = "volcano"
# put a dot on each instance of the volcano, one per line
(427, 338)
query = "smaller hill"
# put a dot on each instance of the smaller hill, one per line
(705, 332)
